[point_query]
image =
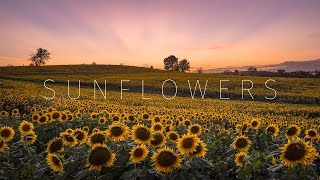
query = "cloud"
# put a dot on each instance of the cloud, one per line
(211, 47)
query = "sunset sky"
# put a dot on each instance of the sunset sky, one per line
(209, 33)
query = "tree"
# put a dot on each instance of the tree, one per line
(40, 57)
(252, 69)
(281, 71)
(171, 63)
(184, 65)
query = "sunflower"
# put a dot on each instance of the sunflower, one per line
(157, 127)
(68, 139)
(139, 153)
(240, 159)
(201, 151)
(141, 134)
(69, 130)
(55, 146)
(188, 144)
(99, 156)
(115, 118)
(297, 151)
(43, 119)
(4, 114)
(29, 138)
(96, 138)
(292, 132)
(194, 129)
(241, 143)
(3, 146)
(54, 162)
(85, 128)
(158, 140)
(255, 124)
(81, 135)
(311, 134)
(55, 116)
(102, 120)
(165, 160)
(118, 132)
(187, 122)
(173, 136)
(95, 130)
(145, 116)
(6, 133)
(26, 127)
(273, 130)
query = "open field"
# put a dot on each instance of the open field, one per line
(134, 138)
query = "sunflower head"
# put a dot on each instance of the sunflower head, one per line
(273, 130)
(173, 136)
(141, 134)
(55, 146)
(54, 162)
(29, 138)
(241, 143)
(158, 140)
(240, 159)
(118, 132)
(312, 134)
(139, 153)
(194, 129)
(298, 151)
(6, 133)
(3, 146)
(99, 156)
(255, 124)
(201, 151)
(165, 160)
(157, 127)
(69, 139)
(80, 135)
(188, 144)
(96, 138)
(292, 132)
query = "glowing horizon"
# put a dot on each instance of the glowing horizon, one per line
(210, 34)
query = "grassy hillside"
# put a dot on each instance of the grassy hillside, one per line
(290, 90)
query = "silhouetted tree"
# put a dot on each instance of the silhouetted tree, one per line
(281, 71)
(171, 63)
(184, 65)
(236, 72)
(40, 57)
(252, 69)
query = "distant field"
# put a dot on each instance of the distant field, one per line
(289, 90)
(98, 138)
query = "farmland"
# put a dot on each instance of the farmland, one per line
(156, 138)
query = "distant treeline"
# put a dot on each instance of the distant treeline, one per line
(279, 73)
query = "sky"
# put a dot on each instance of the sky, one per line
(210, 34)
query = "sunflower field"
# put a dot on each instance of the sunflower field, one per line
(133, 138)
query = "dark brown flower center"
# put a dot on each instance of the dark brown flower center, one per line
(26, 127)
(5, 133)
(56, 161)
(142, 134)
(241, 143)
(138, 152)
(195, 129)
(188, 143)
(292, 131)
(166, 159)
(56, 146)
(295, 152)
(157, 139)
(99, 156)
(98, 138)
(116, 131)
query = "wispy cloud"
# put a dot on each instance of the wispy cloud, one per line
(6, 58)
